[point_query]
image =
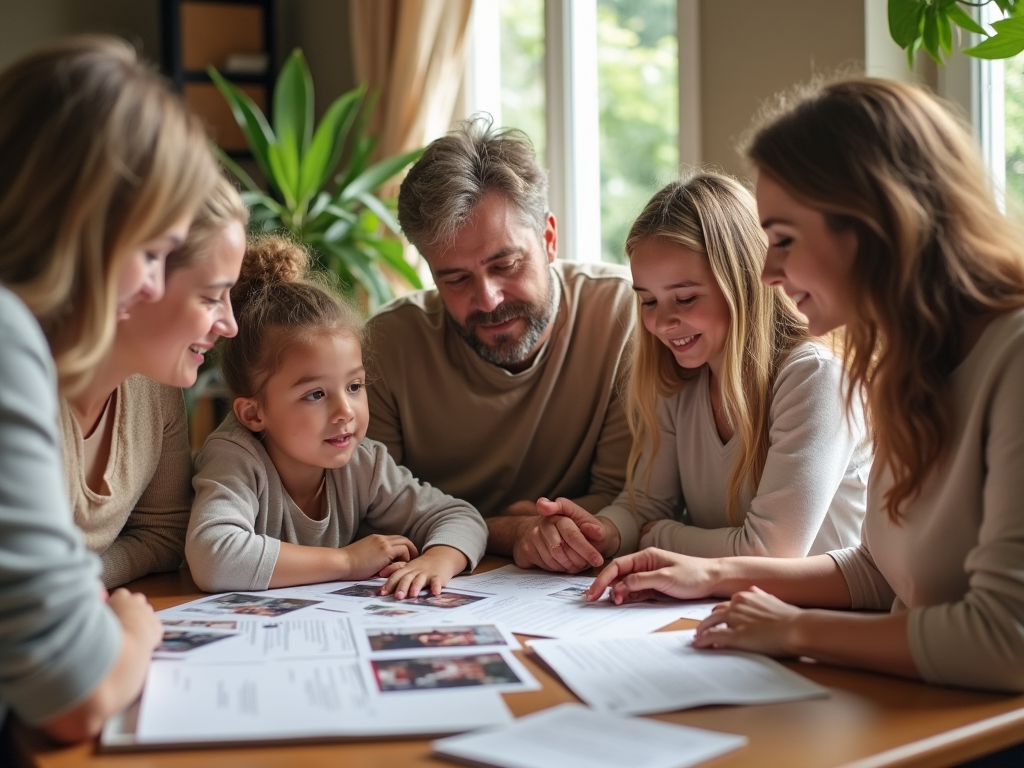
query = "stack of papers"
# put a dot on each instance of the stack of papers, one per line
(281, 667)
(572, 736)
(664, 673)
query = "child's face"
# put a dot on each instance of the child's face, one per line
(314, 408)
(167, 340)
(681, 303)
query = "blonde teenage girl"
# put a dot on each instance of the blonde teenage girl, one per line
(881, 222)
(100, 172)
(741, 445)
(127, 459)
(285, 483)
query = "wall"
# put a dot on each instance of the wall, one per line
(751, 49)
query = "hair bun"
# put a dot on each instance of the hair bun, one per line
(270, 259)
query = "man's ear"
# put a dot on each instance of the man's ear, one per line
(247, 411)
(550, 238)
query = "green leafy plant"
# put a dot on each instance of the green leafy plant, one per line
(332, 210)
(929, 24)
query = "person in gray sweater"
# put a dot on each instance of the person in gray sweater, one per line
(288, 490)
(100, 168)
(881, 221)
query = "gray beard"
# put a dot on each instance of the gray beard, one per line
(509, 349)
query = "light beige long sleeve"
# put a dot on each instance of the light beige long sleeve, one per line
(139, 527)
(492, 437)
(955, 560)
(242, 511)
(811, 495)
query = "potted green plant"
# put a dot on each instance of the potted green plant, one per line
(333, 210)
(928, 25)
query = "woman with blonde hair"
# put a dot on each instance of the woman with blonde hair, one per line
(101, 169)
(881, 223)
(127, 458)
(741, 444)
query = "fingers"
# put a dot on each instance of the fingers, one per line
(407, 550)
(605, 579)
(387, 570)
(527, 554)
(579, 550)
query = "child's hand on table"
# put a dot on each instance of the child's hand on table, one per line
(369, 556)
(433, 569)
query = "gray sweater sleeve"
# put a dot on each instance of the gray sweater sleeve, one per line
(223, 549)
(57, 638)
(398, 503)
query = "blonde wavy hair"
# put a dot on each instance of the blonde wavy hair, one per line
(97, 156)
(935, 253)
(222, 208)
(716, 216)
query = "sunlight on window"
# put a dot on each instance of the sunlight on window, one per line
(1014, 132)
(638, 87)
(522, 70)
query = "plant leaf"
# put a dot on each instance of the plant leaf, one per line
(377, 174)
(284, 167)
(236, 170)
(250, 119)
(328, 142)
(391, 253)
(293, 103)
(961, 18)
(1006, 43)
(384, 213)
(906, 18)
(364, 271)
(945, 32)
(931, 34)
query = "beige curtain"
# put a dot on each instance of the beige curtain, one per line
(412, 52)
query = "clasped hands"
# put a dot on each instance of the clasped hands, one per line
(565, 538)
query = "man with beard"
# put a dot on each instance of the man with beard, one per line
(502, 385)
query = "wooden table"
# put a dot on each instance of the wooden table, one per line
(868, 721)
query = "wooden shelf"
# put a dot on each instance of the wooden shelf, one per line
(197, 34)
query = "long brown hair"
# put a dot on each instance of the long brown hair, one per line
(715, 215)
(97, 156)
(934, 252)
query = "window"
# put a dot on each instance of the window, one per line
(595, 85)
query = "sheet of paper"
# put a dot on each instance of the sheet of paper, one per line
(663, 672)
(572, 736)
(308, 635)
(193, 703)
(567, 618)
(521, 582)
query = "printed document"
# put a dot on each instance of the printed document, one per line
(662, 672)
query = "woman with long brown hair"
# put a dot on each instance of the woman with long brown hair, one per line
(881, 223)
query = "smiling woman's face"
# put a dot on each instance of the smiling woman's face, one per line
(166, 340)
(809, 260)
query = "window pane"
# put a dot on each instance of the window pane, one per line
(522, 70)
(638, 89)
(1014, 136)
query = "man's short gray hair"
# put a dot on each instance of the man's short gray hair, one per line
(457, 170)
